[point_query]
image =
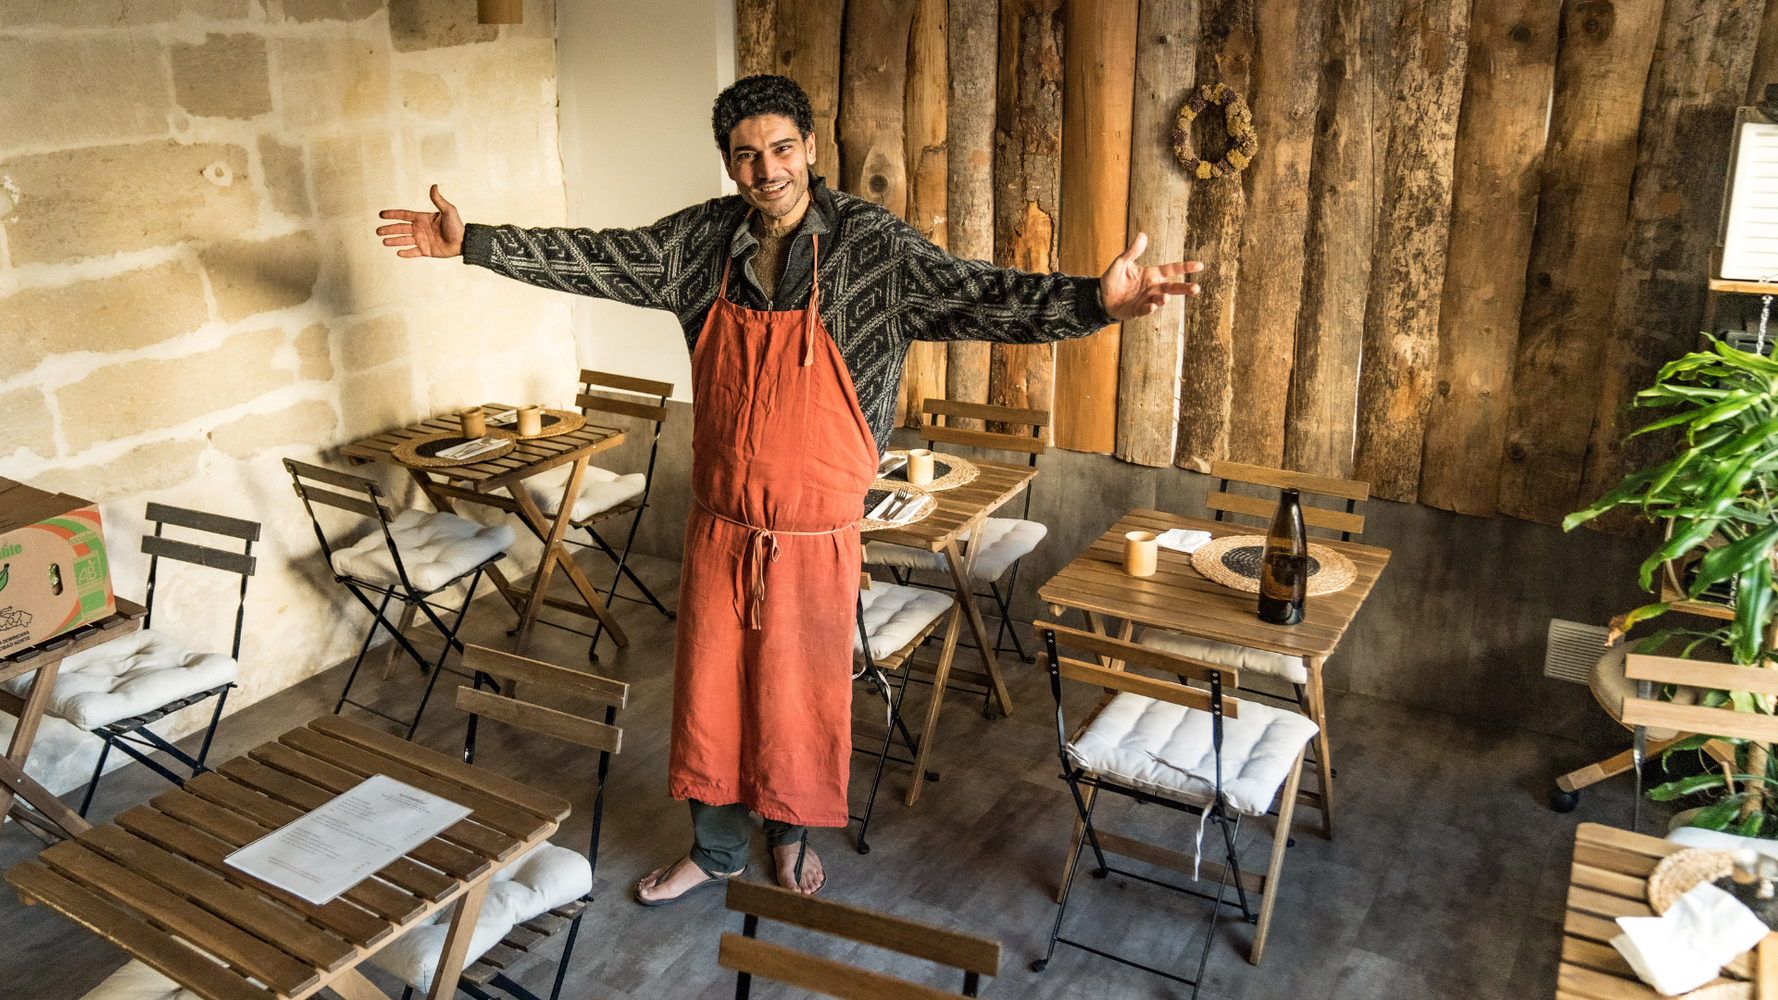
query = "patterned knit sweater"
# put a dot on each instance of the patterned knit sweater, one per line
(882, 285)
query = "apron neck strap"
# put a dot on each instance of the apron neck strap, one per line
(813, 313)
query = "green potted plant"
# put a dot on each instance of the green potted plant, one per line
(1719, 492)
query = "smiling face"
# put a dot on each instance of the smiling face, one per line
(769, 162)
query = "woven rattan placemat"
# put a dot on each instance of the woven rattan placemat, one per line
(883, 487)
(1680, 872)
(1233, 561)
(554, 422)
(957, 471)
(420, 451)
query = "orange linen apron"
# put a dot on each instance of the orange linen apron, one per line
(762, 673)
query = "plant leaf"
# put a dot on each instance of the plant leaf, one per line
(1685, 786)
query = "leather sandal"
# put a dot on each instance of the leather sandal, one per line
(802, 854)
(711, 879)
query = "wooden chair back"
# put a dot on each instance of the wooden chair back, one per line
(158, 547)
(1109, 674)
(1646, 710)
(1033, 444)
(656, 412)
(748, 956)
(1347, 522)
(363, 496)
(505, 706)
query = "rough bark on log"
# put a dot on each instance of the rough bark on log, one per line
(1099, 80)
(1602, 66)
(1319, 418)
(1500, 144)
(1160, 195)
(1701, 68)
(755, 34)
(972, 42)
(1765, 56)
(1226, 43)
(1027, 181)
(873, 96)
(806, 49)
(1408, 260)
(923, 375)
(1286, 88)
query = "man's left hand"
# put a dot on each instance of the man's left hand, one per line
(1129, 290)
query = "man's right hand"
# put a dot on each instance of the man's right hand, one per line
(425, 234)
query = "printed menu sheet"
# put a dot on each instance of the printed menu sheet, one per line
(340, 844)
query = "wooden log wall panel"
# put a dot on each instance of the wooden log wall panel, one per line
(972, 36)
(806, 48)
(755, 36)
(1027, 181)
(1602, 66)
(1226, 44)
(1286, 88)
(1500, 144)
(1160, 194)
(923, 375)
(1765, 56)
(1100, 83)
(1701, 68)
(1408, 259)
(873, 94)
(1320, 413)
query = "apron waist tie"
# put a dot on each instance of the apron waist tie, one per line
(763, 546)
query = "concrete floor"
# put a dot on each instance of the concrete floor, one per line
(1447, 878)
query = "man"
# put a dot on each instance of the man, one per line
(798, 304)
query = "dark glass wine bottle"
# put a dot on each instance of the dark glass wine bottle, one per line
(1284, 572)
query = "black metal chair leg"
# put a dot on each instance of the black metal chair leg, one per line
(555, 992)
(376, 619)
(93, 785)
(210, 734)
(1085, 811)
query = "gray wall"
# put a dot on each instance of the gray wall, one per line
(1456, 624)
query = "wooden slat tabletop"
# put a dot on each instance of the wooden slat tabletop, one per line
(960, 506)
(154, 881)
(1180, 598)
(1609, 879)
(527, 459)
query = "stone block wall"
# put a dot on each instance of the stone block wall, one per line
(190, 284)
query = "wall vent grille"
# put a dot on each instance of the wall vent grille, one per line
(1573, 649)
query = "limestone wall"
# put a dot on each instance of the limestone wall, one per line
(190, 285)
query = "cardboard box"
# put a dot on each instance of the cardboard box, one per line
(54, 575)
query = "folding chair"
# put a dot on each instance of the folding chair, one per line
(892, 623)
(605, 495)
(547, 890)
(1185, 748)
(410, 558)
(1005, 541)
(116, 690)
(1302, 673)
(748, 956)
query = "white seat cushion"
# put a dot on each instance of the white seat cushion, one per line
(1716, 840)
(546, 877)
(136, 981)
(600, 490)
(1227, 654)
(1005, 540)
(894, 614)
(1258, 750)
(435, 549)
(127, 676)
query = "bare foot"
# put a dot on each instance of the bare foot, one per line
(814, 876)
(664, 885)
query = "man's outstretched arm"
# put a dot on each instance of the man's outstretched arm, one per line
(639, 267)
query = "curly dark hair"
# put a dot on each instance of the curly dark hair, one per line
(760, 95)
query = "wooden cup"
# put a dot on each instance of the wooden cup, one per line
(530, 421)
(919, 466)
(1140, 553)
(475, 423)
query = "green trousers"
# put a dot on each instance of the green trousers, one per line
(721, 835)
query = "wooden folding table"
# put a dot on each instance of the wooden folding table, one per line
(960, 510)
(154, 881)
(477, 482)
(46, 658)
(1609, 879)
(1179, 598)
